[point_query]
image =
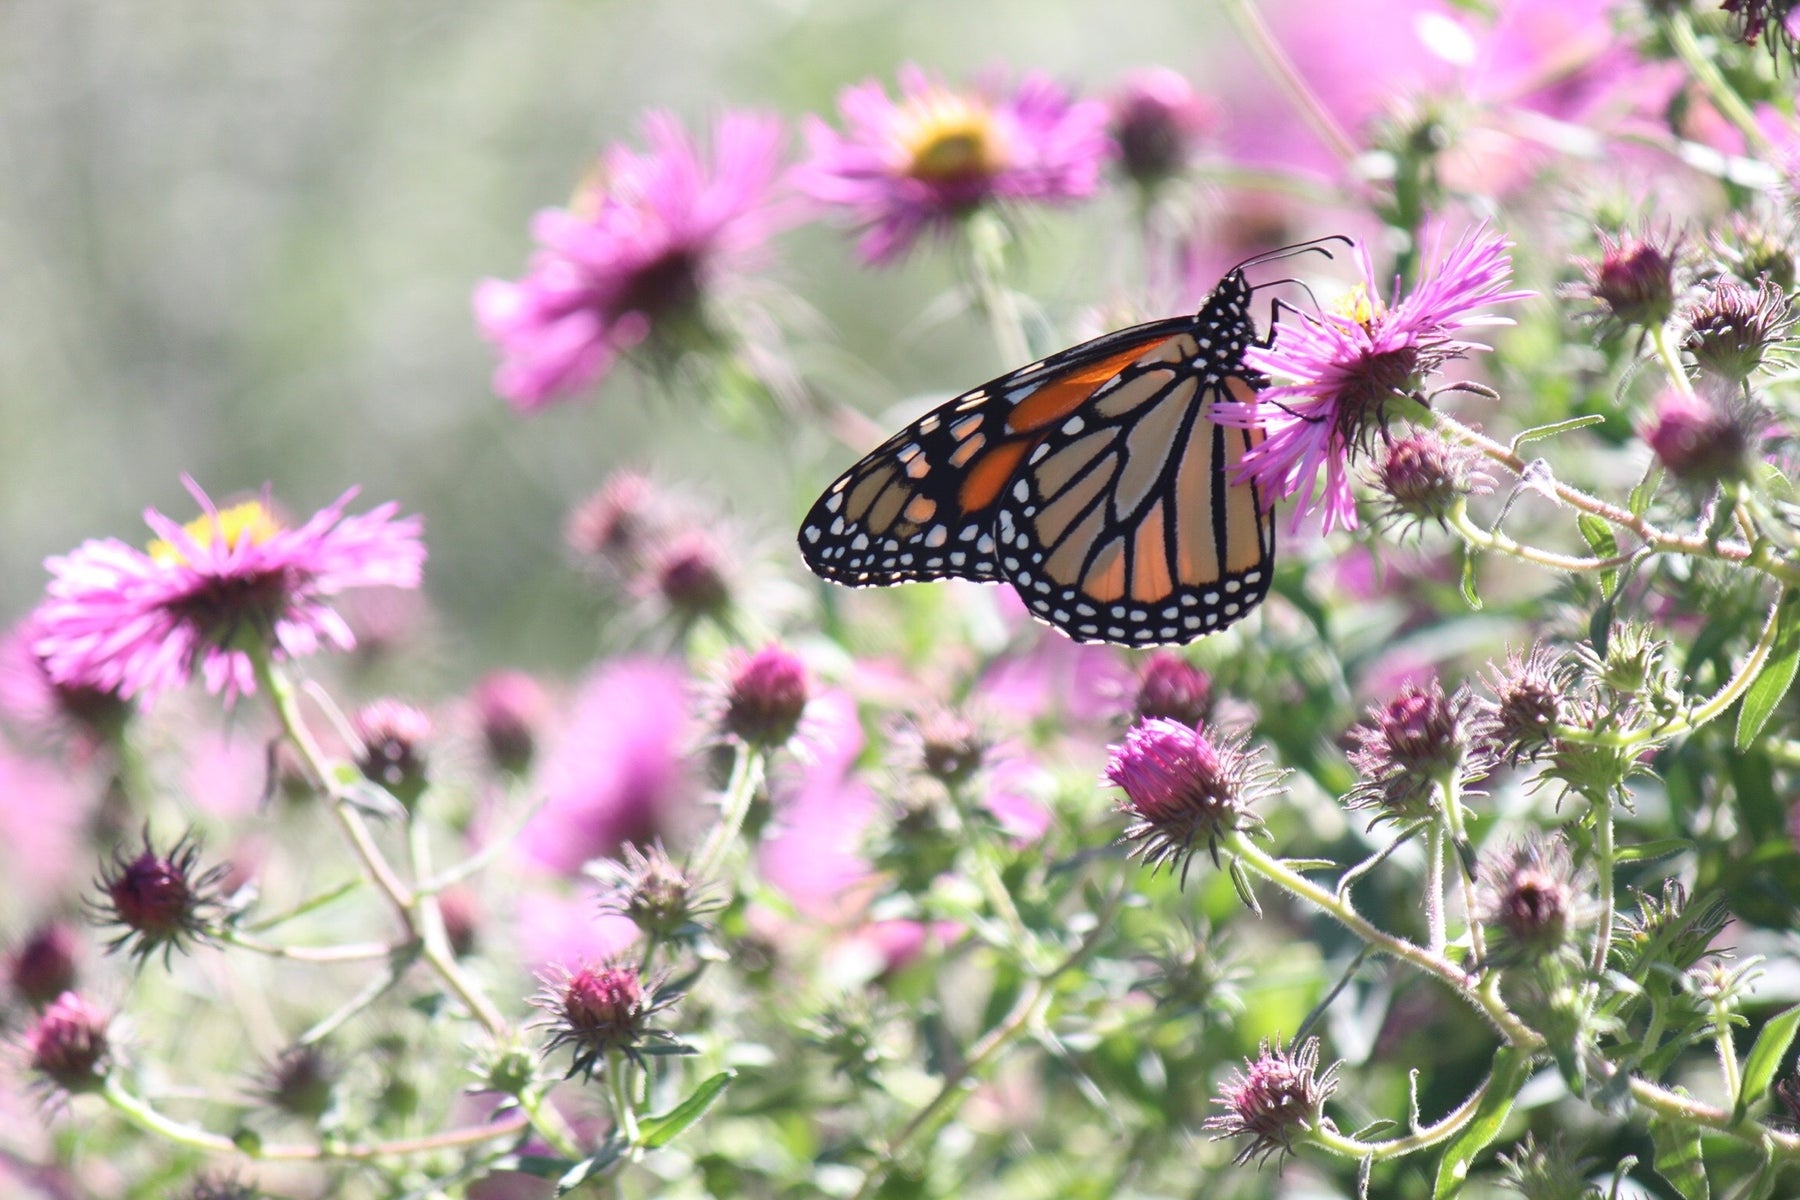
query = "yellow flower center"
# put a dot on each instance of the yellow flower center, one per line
(247, 522)
(944, 137)
(1356, 305)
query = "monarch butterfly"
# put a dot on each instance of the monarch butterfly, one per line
(1093, 481)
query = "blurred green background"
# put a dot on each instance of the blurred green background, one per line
(238, 240)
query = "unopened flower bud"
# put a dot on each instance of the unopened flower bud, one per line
(68, 1046)
(766, 698)
(1175, 689)
(1273, 1102)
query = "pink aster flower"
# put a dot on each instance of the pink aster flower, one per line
(136, 621)
(1343, 369)
(936, 155)
(637, 251)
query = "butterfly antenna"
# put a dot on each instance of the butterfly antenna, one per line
(1315, 246)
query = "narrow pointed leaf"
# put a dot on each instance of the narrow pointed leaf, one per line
(1777, 672)
(1678, 1157)
(1765, 1058)
(1511, 1067)
(660, 1131)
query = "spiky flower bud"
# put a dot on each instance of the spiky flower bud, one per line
(1527, 705)
(300, 1081)
(600, 1009)
(1633, 283)
(1530, 899)
(1186, 788)
(1733, 328)
(1549, 1172)
(611, 527)
(396, 739)
(163, 901)
(219, 1187)
(691, 577)
(944, 745)
(1705, 440)
(1274, 1102)
(765, 699)
(1411, 747)
(67, 1045)
(1174, 689)
(1421, 478)
(653, 892)
(1772, 22)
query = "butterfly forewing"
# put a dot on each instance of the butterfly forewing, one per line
(1094, 481)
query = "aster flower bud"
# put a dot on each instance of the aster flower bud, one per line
(395, 738)
(604, 1008)
(300, 1081)
(765, 699)
(1527, 704)
(507, 1067)
(944, 745)
(1733, 328)
(1174, 689)
(1410, 748)
(690, 577)
(1529, 898)
(1186, 787)
(1705, 440)
(1754, 250)
(163, 901)
(1549, 1172)
(653, 892)
(1274, 1102)
(612, 527)
(1772, 22)
(1157, 119)
(1667, 931)
(462, 919)
(1634, 282)
(509, 709)
(1422, 477)
(43, 967)
(67, 1045)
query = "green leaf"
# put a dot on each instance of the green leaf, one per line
(538, 1166)
(1678, 1157)
(1543, 431)
(1599, 537)
(1511, 1067)
(1777, 673)
(1651, 851)
(592, 1168)
(1765, 1058)
(1469, 591)
(660, 1131)
(1644, 492)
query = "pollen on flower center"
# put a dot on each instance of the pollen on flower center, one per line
(233, 526)
(1355, 305)
(946, 139)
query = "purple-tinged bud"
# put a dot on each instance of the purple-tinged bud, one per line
(1174, 689)
(1528, 703)
(1275, 1102)
(655, 894)
(945, 745)
(395, 740)
(691, 578)
(1157, 120)
(765, 699)
(1186, 788)
(163, 901)
(613, 525)
(1733, 328)
(510, 707)
(1705, 440)
(1422, 478)
(68, 1046)
(601, 1009)
(43, 967)
(300, 1082)
(1410, 748)
(1529, 898)
(1634, 282)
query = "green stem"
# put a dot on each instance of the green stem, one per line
(1027, 1013)
(1604, 854)
(1328, 1138)
(1701, 65)
(1671, 361)
(985, 238)
(1499, 543)
(619, 1089)
(1434, 889)
(746, 776)
(348, 952)
(429, 919)
(549, 1123)
(1455, 978)
(142, 1114)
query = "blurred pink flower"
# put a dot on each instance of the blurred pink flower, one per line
(1052, 676)
(142, 622)
(904, 168)
(566, 930)
(43, 814)
(619, 772)
(641, 245)
(42, 712)
(1346, 367)
(821, 807)
(227, 770)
